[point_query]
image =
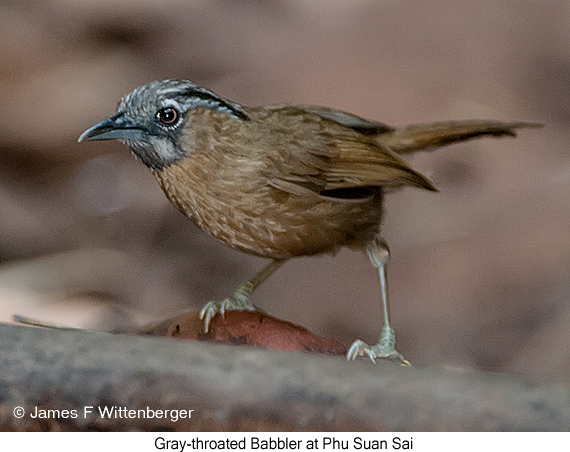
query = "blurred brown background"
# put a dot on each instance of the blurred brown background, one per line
(480, 272)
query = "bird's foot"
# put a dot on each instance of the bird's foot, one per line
(239, 301)
(361, 348)
(385, 348)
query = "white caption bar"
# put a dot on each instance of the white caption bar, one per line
(283, 442)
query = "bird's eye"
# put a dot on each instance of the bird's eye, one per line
(168, 116)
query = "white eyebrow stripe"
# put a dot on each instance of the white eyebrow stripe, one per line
(187, 96)
(173, 103)
(168, 92)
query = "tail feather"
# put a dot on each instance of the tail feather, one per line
(404, 140)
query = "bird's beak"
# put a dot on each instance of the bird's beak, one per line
(117, 126)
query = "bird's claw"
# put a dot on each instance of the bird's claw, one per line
(239, 301)
(380, 350)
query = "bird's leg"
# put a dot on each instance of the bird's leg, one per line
(240, 299)
(379, 255)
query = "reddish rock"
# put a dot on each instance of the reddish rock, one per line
(245, 328)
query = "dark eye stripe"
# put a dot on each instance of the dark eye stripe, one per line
(210, 100)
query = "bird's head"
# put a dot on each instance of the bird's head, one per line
(151, 118)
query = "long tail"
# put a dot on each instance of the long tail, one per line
(404, 140)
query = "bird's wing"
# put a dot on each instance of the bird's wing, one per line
(364, 126)
(334, 160)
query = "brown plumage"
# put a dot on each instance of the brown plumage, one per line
(278, 182)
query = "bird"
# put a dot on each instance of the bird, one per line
(282, 181)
